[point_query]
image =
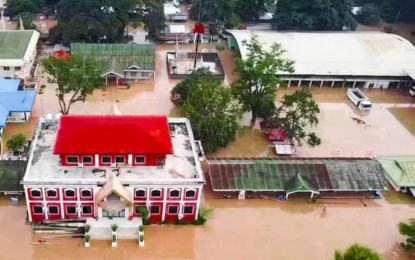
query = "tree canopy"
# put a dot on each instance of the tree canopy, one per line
(76, 78)
(319, 15)
(295, 114)
(213, 113)
(393, 10)
(258, 75)
(104, 21)
(408, 230)
(357, 252)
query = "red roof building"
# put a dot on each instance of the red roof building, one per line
(110, 167)
(105, 140)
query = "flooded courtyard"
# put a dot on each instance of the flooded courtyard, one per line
(250, 229)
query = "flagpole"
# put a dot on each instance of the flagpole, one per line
(197, 34)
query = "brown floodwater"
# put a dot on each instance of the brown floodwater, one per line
(250, 229)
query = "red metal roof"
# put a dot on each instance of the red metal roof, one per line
(113, 135)
(277, 135)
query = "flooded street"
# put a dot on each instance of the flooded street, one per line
(251, 229)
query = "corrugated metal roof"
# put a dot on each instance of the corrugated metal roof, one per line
(115, 58)
(288, 175)
(339, 53)
(19, 101)
(400, 169)
(9, 85)
(11, 173)
(14, 43)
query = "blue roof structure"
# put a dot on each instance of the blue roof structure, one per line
(13, 100)
(9, 85)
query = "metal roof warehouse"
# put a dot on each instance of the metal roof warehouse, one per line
(370, 57)
(296, 175)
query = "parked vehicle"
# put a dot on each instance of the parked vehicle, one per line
(359, 99)
(412, 91)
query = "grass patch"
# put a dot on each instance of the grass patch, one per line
(406, 116)
(393, 197)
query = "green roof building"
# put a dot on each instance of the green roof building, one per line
(17, 52)
(400, 172)
(297, 175)
(121, 63)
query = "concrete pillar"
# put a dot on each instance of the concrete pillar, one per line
(299, 83)
(289, 84)
(106, 80)
(321, 84)
(344, 83)
(399, 84)
(332, 83)
(309, 85)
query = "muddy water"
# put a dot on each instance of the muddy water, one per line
(252, 229)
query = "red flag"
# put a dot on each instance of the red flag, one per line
(199, 28)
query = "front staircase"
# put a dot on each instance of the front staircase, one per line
(101, 229)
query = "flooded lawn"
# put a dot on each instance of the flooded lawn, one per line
(250, 229)
(406, 116)
(250, 143)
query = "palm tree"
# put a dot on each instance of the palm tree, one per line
(357, 252)
(408, 230)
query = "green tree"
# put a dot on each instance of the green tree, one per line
(76, 78)
(408, 230)
(259, 75)
(27, 21)
(369, 14)
(181, 91)
(326, 15)
(295, 113)
(357, 252)
(213, 113)
(216, 13)
(103, 21)
(16, 142)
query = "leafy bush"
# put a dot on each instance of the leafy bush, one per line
(16, 142)
(114, 227)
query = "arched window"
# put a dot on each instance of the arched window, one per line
(140, 193)
(156, 193)
(86, 193)
(174, 193)
(51, 193)
(36, 193)
(190, 193)
(70, 193)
